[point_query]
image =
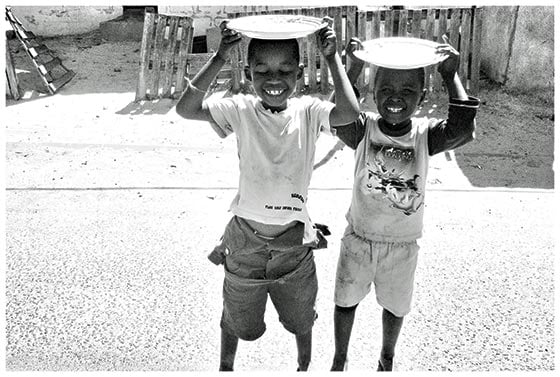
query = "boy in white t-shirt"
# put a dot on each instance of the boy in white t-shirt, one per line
(267, 246)
(385, 218)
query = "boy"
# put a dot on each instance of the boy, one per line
(267, 246)
(385, 215)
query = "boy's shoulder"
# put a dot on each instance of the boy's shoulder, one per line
(304, 100)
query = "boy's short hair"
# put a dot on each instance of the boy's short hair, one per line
(255, 44)
(421, 75)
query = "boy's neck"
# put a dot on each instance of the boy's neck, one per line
(394, 130)
(273, 108)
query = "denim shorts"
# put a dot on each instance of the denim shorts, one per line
(390, 266)
(256, 267)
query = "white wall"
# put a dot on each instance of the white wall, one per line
(50, 21)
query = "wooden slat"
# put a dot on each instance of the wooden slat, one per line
(442, 24)
(36, 51)
(312, 57)
(430, 25)
(416, 23)
(145, 50)
(48, 66)
(465, 47)
(442, 29)
(323, 63)
(11, 77)
(185, 46)
(375, 33)
(351, 26)
(388, 23)
(362, 35)
(302, 45)
(61, 81)
(168, 56)
(338, 27)
(475, 62)
(235, 54)
(454, 27)
(403, 19)
(154, 73)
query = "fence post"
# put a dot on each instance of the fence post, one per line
(477, 40)
(465, 47)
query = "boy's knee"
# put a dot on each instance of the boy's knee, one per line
(250, 335)
(247, 333)
(345, 309)
(302, 326)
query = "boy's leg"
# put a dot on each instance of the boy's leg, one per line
(227, 351)
(294, 298)
(343, 322)
(303, 342)
(391, 330)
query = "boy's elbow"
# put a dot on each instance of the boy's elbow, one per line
(352, 113)
(181, 111)
(187, 112)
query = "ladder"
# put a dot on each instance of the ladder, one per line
(51, 70)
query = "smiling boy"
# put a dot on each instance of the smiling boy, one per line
(267, 247)
(385, 217)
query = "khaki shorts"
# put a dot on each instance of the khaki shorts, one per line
(256, 268)
(389, 265)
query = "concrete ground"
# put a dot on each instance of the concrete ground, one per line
(112, 207)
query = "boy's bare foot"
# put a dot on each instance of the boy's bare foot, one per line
(226, 368)
(384, 365)
(339, 365)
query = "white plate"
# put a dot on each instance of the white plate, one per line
(399, 52)
(276, 26)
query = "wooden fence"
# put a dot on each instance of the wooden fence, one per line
(315, 75)
(166, 44)
(462, 25)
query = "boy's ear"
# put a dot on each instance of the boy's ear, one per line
(248, 73)
(300, 71)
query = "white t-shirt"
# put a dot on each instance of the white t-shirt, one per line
(276, 155)
(389, 183)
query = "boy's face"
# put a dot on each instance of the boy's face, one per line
(274, 70)
(397, 93)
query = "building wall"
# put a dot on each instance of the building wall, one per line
(50, 21)
(205, 17)
(64, 20)
(532, 55)
(498, 26)
(518, 46)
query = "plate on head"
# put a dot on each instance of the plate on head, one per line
(276, 26)
(400, 52)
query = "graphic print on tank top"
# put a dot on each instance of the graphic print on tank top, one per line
(390, 176)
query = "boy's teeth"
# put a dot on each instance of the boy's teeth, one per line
(274, 92)
(394, 109)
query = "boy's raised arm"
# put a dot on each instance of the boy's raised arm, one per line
(346, 108)
(351, 134)
(190, 103)
(460, 126)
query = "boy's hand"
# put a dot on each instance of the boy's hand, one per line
(326, 39)
(448, 67)
(230, 38)
(352, 62)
